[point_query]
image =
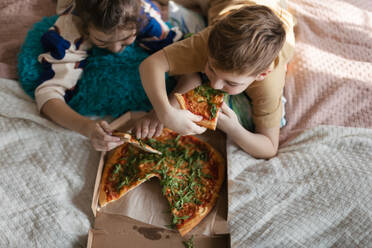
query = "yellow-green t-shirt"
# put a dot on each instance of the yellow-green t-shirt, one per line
(191, 54)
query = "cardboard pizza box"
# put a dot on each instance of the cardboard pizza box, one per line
(138, 219)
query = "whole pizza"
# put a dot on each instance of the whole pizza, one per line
(190, 171)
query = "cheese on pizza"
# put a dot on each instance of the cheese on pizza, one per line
(204, 101)
(191, 173)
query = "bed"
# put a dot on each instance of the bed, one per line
(315, 193)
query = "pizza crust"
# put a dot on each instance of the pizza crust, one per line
(193, 222)
(211, 124)
(180, 100)
(103, 200)
(109, 163)
(126, 137)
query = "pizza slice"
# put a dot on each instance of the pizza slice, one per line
(204, 101)
(192, 187)
(126, 137)
(124, 170)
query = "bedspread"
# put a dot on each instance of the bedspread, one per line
(47, 177)
(329, 80)
(317, 191)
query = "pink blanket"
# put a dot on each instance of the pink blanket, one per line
(16, 18)
(329, 80)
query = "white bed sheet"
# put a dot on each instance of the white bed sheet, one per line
(318, 191)
(315, 193)
(47, 177)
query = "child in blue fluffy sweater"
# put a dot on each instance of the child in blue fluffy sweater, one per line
(109, 24)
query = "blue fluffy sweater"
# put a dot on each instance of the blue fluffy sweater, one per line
(110, 83)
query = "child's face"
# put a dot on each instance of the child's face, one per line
(115, 41)
(230, 82)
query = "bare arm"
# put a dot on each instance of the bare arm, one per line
(263, 144)
(98, 132)
(149, 125)
(152, 71)
(59, 112)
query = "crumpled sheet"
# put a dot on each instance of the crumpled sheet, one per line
(47, 177)
(317, 191)
(329, 80)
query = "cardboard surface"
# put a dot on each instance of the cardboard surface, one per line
(114, 231)
(139, 218)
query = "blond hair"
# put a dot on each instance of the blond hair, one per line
(247, 40)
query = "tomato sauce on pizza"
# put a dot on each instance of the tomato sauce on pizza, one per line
(204, 101)
(190, 171)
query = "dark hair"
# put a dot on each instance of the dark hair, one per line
(247, 40)
(107, 15)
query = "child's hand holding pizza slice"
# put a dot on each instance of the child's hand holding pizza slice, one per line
(204, 101)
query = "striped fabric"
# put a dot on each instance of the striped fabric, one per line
(66, 50)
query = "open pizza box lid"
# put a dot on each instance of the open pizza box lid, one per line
(139, 218)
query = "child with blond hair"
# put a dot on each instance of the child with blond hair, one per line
(244, 51)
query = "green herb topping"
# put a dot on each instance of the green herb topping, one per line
(189, 243)
(207, 92)
(182, 184)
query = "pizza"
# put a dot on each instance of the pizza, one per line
(190, 171)
(126, 137)
(204, 101)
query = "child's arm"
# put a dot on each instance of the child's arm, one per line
(63, 60)
(99, 132)
(149, 125)
(263, 144)
(152, 71)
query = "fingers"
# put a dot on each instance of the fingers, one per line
(224, 107)
(193, 117)
(105, 142)
(103, 132)
(148, 127)
(138, 129)
(101, 138)
(159, 130)
(145, 128)
(152, 129)
(106, 127)
(227, 110)
(142, 128)
(196, 129)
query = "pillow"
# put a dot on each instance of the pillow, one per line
(110, 83)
